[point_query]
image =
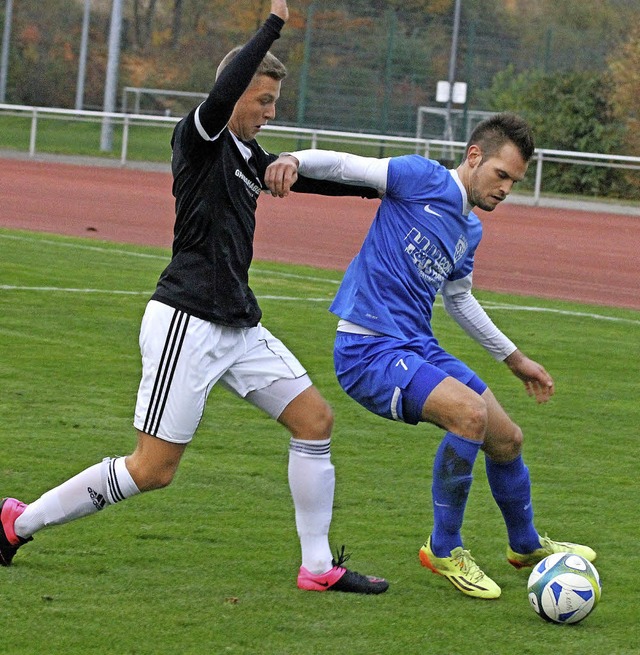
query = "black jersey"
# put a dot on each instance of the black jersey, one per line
(216, 191)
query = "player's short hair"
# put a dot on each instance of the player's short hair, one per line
(270, 66)
(492, 133)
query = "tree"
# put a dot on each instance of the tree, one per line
(568, 111)
(624, 68)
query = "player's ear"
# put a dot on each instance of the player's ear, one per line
(474, 155)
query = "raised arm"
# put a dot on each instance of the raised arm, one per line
(214, 113)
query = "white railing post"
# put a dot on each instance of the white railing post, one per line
(125, 140)
(32, 136)
(538, 183)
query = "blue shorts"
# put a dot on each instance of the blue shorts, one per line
(394, 378)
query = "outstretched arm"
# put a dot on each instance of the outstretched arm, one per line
(463, 307)
(326, 165)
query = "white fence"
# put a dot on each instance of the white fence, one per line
(426, 147)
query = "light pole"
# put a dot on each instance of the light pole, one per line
(111, 83)
(82, 59)
(448, 133)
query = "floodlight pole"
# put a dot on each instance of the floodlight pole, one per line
(82, 58)
(4, 57)
(448, 133)
(111, 83)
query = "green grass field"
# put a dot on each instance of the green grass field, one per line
(208, 565)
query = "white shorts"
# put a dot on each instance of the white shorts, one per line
(184, 356)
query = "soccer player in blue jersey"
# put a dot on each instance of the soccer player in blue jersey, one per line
(422, 242)
(202, 327)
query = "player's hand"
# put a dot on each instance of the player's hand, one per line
(279, 8)
(537, 382)
(281, 175)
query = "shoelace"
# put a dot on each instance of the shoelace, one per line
(340, 557)
(468, 566)
(553, 546)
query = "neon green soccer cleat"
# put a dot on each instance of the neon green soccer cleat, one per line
(462, 572)
(548, 547)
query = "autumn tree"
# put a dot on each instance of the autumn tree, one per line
(624, 68)
(568, 111)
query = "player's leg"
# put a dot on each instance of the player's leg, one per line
(508, 476)
(151, 466)
(95, 488)
(510, 484)
(170, 402)
(460, 411)
(397, 383)
(312, 482)
(295, 403)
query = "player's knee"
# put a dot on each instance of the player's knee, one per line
(317, 423)
(505, 447)
(514, 444)
(148, 478)
(473, 419)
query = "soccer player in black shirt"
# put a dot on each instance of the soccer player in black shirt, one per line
(202, 327)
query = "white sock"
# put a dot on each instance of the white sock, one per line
(312, 483)
(88, 492)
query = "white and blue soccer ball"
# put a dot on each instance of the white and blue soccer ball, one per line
(564, 588)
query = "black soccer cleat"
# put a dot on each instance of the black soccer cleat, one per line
(339, 578)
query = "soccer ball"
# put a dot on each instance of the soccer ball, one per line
(564, 588)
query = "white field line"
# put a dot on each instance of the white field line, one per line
(490, 305)
(164, 258)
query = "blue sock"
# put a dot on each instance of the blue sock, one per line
(452, 468)
(511, 488)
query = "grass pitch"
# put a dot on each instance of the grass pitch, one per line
(208, 565)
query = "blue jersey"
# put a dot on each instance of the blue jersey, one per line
(420, 237)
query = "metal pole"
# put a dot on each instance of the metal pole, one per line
(82, 58)
(448, 134)
(304, 71)
(538, 184)
(4, 57)
(111, 83)
(388, 70)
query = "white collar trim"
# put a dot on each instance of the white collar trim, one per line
(466, 207)
(244, 149)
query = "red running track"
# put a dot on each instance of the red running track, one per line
(545, 252)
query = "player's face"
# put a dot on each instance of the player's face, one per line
(257, 106)
(491, 180)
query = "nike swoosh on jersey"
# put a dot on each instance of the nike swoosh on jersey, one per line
(428, 209)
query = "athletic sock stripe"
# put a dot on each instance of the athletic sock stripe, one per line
(112, 482)
(168, 361)
(312, 448)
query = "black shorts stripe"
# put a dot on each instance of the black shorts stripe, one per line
(166, 369)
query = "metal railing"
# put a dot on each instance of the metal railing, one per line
(425, 147)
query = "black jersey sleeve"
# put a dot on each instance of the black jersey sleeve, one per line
(327, 188)
(216, 110)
